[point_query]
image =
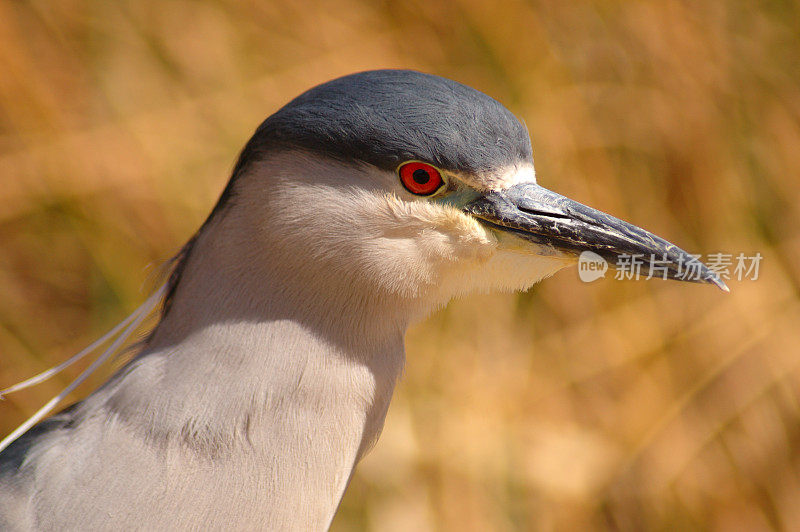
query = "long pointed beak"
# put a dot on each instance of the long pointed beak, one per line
(538, 215)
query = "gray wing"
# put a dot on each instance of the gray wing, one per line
(15, 484)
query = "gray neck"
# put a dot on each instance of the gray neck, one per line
(264, 362)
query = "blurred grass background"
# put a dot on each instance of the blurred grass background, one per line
(612, 405)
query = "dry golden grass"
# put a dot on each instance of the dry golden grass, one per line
(613, 405)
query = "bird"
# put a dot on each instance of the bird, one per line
(355, 210)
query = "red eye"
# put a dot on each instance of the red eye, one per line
(420, 178)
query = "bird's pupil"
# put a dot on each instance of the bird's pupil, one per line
(421, 176)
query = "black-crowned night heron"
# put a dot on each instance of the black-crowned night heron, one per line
(357, 208)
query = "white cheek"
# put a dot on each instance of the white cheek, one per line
(511, 271)
(503, 271)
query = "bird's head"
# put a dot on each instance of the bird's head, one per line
(407, 184)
